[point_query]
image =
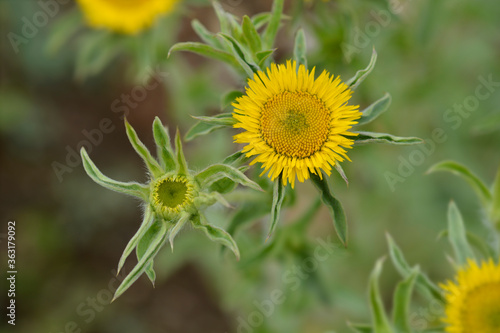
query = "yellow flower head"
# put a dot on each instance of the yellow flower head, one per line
(124, 16)
(473, 301)
(295, 124)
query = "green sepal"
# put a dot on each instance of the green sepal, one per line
(278, 196)
(178, 225)
(151, 244)
(182, 168)
(203, 128)
(375, 109)
(373, 137)
(163, 146)
(460, 170)
(131, 188)
(271, 30)
(241, 55)
(223, 119)
(457, 235)
(251, 35)
(401, 303)
(218, 171)
(379, 316)
(423, 283)
(361, 75)
(142, 151)
(206, 51)
(299, 49)
(132, 244)
(216, 234)
(334, 206)
(229, 98)
(205, 35)
(360, 328)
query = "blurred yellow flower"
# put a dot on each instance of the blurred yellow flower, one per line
(294, 123)
(473, 301)
(124, 16)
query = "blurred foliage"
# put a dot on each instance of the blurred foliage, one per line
(71, 232)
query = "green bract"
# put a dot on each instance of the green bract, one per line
(173, 197)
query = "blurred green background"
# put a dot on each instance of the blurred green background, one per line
(432, 55)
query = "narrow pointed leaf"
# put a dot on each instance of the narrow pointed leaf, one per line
(259, 20)
(251, 35)
(475, 242)
(341, 172)
(241, 56)
(278, 196)
(457, 235)
(223, 119)
(218, 171)
(379, 316)
(182, 168)
(216, 234)
(361, 328)
(263, 56)
(155, 244)
(150, 272)
(361, 75)
(424, 284)
(163, 146)
(131, 188)
(132, 244)
(229, 98)
(299, 49)
(206, 51)
(142, 151)
(373, 137)
(203, 128)
(495, 205)
(223, 19)
(334, 206)
(176, 228)
(401, 304)
(205, 35)
(271, 30)
(460, 170)
(236, 159)
(375, 109)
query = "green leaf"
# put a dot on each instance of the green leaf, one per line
(373, 137)
(375, 109)
(163, 146)
(206, 51)
(218, 171)
(278, 196)
(236, 159)
(225, 26)
(182, 168)
(203, 128)
(379, 316)
(242, 57)
(401, 305)
(216, 234)
(424, 284)
(63, 29)
(152, 242)
(361, 328)
(178, 225)
(229, 98)
(476, 242)
(462, 171)
(457, 235)
(299, 50)
(271, 30)
(334, 206)
(205, 35)
(143, 244)
(259, 20)
(361, 75)
(132, 244)
(96, 51)
(251, 35)
(223, 119)
(142, 151)
(341, 172)
(262, 57)
(131, 188)
(495, 205)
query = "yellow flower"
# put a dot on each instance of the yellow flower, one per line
(124, 16)
(295, 124)
(473, 302)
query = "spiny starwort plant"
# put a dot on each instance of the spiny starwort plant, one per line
(295, 125)
(471, 301)
(173, 197)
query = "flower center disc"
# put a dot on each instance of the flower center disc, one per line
(482, 312)
(295, 124)
(171, 193)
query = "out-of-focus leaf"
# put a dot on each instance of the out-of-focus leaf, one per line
(299, 49)
(274, 23)
(216, 234)
(229, 98)
(278, 196)
(241, 55)
(401, 304)
(223, 119)
(495, 204)
(251, 35)
(373, 137)
(205, 35)
(178, 225)
(205, 50)
(203, 128)
(457, 235)
(361, 75)
(361, 328)
(182, 168)
(142, 151)
(163, 146)
(375, 109)
(379, 316)
(218, 171)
